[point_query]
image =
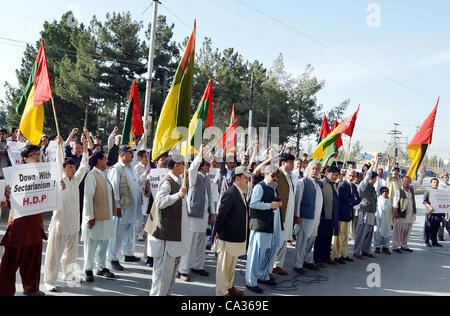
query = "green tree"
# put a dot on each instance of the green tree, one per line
(356, 149)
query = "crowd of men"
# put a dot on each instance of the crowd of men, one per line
(253, 208)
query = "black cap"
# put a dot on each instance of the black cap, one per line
(125, 149)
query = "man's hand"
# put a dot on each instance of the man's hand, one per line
(63, 184)
(182, 193)
(85, 146)
(74, 131)
(86, 132)
(91, 224)
(116, 130)
(147, 185)
(275, 205)
(119, 212)
(298, 220)
(149, 169)
(59, 140)
(333, 155)
(211, 220)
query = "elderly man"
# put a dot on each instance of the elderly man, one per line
(231, 232)
(308, 208)
(199, 217)
(23, 245)
(98, 226)
(62, 245)
(405, 211)
(129, 200)
(444, 185)
(167, 228)
(265, 226)
(287, 194)
(348, 199)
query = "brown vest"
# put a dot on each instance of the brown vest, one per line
(165, 224)
(101, 203)
(283, 190)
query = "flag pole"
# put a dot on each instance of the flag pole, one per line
(148, 90)
(347, 153)
(57, 130)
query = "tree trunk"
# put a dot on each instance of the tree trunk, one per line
(86, 111)
(118, 114)
(152, 130)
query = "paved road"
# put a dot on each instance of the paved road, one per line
(424, 272)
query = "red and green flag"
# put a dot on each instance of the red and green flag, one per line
(418, 146)
(347, 127)
(324, 129)
(176, 111)
(31, 105)
(334, 148)
(228, 140)
(203, 117)
(133, 125)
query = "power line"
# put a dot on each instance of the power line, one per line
(353, 60)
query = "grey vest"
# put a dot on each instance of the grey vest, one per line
(262, 220)
(369, 200)
(197, 199)
(308, 203)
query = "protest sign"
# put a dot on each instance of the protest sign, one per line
(155, 177)
(14, 152)
(440, 201)
(52, 151)
(35, 188)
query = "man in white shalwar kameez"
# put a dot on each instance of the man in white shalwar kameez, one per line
(64, 226)
(286, 188)
(98, 211)
(264, 240)
(129, 200)
(382, 236)
(308, 208)
(168, 240)
(142, 170)
(199, 217)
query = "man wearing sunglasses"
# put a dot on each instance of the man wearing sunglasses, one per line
(265, 226)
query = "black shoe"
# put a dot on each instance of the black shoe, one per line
(398, 251)
(300, 271)
(106, 273)
(255, 289)
(184, 277)
(132, 259)
(386, 251)
(436, 244)
(407, 250)
(200, 272)
(89, 276)
(340, 260)
(360, 257)
(368, 255)
(429, 245)
(378, 251)
(348, 259)
(149, 262)
(117, 266)
(441, 239)
(311, 266)
(270, 282)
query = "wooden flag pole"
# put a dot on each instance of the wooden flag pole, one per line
(57, 131)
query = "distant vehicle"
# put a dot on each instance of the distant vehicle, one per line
(341, 164)
(430, 174)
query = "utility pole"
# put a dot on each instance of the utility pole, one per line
(250, 112)
(395, 133)
(151, 52)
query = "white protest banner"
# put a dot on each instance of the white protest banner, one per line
(52, 151)
(14, 152)
(440, 201)
(155, 177)
(35, 188)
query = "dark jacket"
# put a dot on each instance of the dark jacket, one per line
(329, 227)
(347, 201)
(231, 221)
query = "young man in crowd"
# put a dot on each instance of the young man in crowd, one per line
(383, 233)
(432, 220)
(23, 245)
(62, 247)
(142, 170)
(98, 225)
(199, 217)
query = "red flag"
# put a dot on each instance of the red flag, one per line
(229, 137)
(324, 129)
(338, 142)
(43, 90)
(425, 133)
(348, 125)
